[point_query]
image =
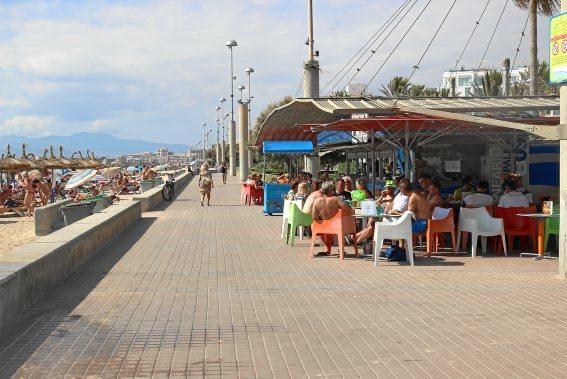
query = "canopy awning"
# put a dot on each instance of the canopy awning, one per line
(302, 118)
(288, 147)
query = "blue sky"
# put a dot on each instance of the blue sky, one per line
(155, 70)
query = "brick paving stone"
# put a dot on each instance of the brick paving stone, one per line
(195, 291)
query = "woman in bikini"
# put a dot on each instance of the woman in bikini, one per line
(29, 193)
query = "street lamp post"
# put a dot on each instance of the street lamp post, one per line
(218, 135)
(232, 129)
(241, 88)
(222, 101)
(204, 142)
(249, 72)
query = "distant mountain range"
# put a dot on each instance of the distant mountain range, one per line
(101, 144)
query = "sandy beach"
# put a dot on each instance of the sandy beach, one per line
(15, 231)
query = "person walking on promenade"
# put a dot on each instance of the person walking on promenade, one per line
(205, 184)
(223, 172)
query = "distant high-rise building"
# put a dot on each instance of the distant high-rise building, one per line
(162, 152)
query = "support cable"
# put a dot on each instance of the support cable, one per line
(521, 39)
(476, 24)
(493, 33)
(416, 66)
(366, 46)
(397, 45)
(374, 50)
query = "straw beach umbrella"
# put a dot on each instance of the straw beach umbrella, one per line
(9, 163)
(80, 161)
(28, 159)
(109, 172)
(66, 162)
(95, 163)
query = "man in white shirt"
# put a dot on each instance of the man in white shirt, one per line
(512, 198)
(480, 198)
(400, 203)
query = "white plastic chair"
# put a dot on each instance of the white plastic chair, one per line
(478, 222)
(285, 224)
(396, 230)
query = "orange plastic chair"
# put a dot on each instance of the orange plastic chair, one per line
(438, 226)
(517, 226)
(340, 225)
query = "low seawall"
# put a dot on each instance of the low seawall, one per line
(30, 272)
(152, 199)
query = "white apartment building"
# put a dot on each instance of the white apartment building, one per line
(464, 79)
(162, 152)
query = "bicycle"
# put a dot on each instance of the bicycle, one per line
(168, 190)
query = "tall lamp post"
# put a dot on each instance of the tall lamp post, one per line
(249, 72)
(241, 88)
(218, 135)
(204, 142)
(232, 129)
(222, 100)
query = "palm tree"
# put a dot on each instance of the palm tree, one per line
(417, 90)
(397, 87)
(546, 8)
(491, 84)
(544, 88)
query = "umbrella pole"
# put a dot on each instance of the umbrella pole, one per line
(53, 195)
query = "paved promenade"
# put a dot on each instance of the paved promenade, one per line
(194, 290)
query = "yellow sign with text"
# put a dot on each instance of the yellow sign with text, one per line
(558, 49)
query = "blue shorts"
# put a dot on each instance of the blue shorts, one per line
(419, 226)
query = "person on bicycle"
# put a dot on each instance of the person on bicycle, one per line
(205, 184)
(223, 172)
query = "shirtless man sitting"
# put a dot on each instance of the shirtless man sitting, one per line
(326, 207)
(419, 206)
(308, 205)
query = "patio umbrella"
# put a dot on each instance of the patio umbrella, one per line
(161, 167)
(35, 174)
(80, 178)
(99, 178)
(109, 172)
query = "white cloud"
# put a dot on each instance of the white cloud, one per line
(16, 102)
(27, 125)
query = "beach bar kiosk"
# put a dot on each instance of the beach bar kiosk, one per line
(274, 193)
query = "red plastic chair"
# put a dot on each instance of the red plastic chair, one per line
(517, 226)
(340, 225)
(256, 194)
(252, 193)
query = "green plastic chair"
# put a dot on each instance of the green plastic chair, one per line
(296, 218)
(551, 227)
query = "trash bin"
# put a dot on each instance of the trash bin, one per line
(146, 185)
(75, 212)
